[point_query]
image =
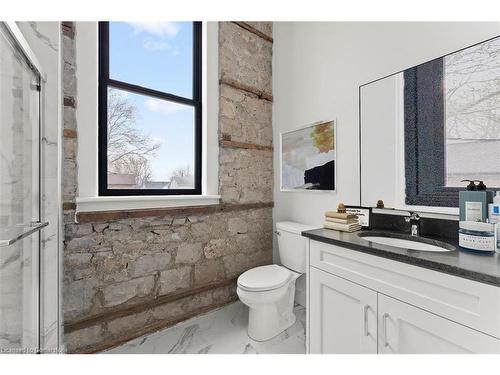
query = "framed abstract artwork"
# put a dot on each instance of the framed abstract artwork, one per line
(308, 157)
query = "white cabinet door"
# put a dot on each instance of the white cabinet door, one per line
(342, 316)
(406, 329)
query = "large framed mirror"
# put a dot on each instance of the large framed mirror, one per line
(425, 129)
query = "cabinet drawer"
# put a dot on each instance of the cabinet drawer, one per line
(464, 301)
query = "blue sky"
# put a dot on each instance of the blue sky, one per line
(158, 55)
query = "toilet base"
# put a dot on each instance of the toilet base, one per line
(267, 320)
(257, 332)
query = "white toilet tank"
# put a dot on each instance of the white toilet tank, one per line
(291, 245)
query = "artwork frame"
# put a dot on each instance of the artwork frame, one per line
(305, 151)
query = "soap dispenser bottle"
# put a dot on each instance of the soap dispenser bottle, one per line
(473, 202)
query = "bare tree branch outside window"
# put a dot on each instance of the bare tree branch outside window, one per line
(472, 91)
(129, 150)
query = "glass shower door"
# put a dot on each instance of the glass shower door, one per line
(19, 199)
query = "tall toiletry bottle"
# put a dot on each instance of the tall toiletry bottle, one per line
(494, 217)
(473, 202)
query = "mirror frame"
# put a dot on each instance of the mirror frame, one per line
(441, 194)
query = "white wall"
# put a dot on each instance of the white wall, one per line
(317, 70)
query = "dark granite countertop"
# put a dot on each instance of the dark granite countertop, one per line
(483, 268)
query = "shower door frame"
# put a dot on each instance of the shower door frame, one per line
(30, 58)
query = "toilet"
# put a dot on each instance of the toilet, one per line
(269, 291)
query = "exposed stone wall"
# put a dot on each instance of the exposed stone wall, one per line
(245, 112)
(124, 277)
(69, 181)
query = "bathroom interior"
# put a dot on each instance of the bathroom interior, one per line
(249, 187)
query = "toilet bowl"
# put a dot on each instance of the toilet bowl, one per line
(269, 291)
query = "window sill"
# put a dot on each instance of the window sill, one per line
(97, 204)
(444, 213)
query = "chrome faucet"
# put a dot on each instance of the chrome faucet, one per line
(414, 220)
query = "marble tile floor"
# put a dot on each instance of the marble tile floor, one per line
(222, 331)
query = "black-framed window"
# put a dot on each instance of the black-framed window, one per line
(452, 124)
(150, 108)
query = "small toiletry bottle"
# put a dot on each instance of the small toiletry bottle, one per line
(473, 202)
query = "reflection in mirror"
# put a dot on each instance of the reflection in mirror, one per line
(427, 128)
(472, 114)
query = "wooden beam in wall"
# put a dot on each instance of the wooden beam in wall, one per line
(120, 312)
(103, 216)
(149, 329)
(241, 86)
(248, 146)
(253, 30)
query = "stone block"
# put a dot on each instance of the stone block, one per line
(131, 247)
(116, 294)
(236, 264)
(175, 279)
(200, 230)
(247, 243)
(216, 248)
(69, 80)
(147, 264)
(69, 180)
(80, 244)
(76, 260)
(68, 50)
(83, 230)
(69, 118)
(189, 252)
(78, 297)
(99, 227)
(83, 338)
(69, 147)
(245, 175)
(115, 226)
(237, 225)
(209, 271)
(179, 221)
(245, 117)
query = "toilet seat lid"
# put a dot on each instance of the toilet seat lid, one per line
(264, 278)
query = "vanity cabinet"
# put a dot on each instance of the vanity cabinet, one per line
(344, 319)
(361, 303)
(405, 329)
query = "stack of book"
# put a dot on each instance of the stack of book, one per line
(341, 221)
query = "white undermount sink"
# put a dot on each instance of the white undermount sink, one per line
(411, 244)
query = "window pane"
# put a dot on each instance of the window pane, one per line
(156, 55)
(472, 84)
(150, 142)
